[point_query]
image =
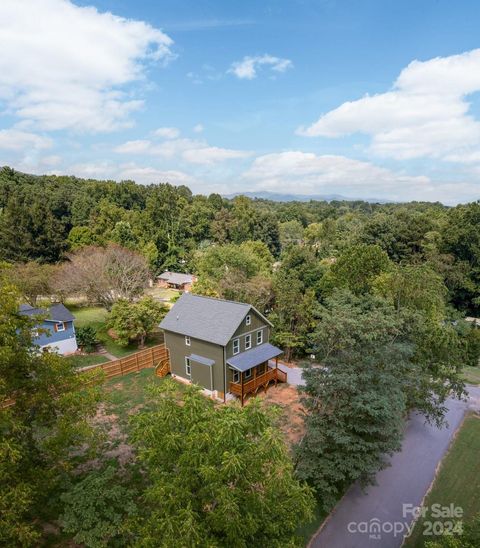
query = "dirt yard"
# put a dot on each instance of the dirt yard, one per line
(287, 398)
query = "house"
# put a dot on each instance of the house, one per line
(55, 329)
(221, 345)
(176, 280)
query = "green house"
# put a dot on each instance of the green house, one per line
(222, 346)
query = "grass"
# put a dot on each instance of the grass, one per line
(458, 481)
(96, 316)
(471, 375)
(85, 361)
(126, 394)
(307, 531)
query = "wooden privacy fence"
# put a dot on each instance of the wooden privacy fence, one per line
(150, 357)
(156, 356)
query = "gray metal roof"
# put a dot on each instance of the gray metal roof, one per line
(177, 278)
(255, 356)
(56, 313)
(201, 359)
(206, 318)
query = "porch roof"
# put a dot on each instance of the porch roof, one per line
(201, 359)
(255, 356)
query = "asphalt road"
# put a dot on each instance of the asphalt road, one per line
(376, 518)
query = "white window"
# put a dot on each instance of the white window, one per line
(248, 319)
(236, 346)
(248, 342)
(236, 376)
(188, 368)
(187, 340)
(60, 326)
(248, 373)
(259, 337)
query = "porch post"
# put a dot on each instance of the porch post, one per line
(276, 370)
(241, 378)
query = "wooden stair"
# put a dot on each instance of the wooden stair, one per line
(163, 368)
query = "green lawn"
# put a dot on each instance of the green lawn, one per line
(472, 375)
(458, 481)
(89, 359)
(96, 316)
(127, 394)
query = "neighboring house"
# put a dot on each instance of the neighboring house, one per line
(220, 345)
(55, 329)
(176, 280)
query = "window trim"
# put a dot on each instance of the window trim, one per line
(248, 319)
(188, 367)
(236, 376)
(249, 371)
(259, 337)
(236, 342)
(59, 326)
(248, 338)
(188, 342)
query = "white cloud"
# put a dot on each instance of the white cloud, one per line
(425, 114)
(147, 175)
(190, 150)
(133, 147)
(307, 173)
(167, 132)
(64, 66)
(248, 67)
(198, 128)
(18, 140)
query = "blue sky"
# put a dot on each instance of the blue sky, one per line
(371, 98)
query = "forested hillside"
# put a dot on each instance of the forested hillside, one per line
(44, 217)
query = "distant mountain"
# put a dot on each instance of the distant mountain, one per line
(279, 197)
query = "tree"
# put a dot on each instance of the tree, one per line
(80, 236)
(291, 232)
(32, 279)
(43, 431)
(30, 232)
(378, 363)
(132, 321)
(357, 268)
(86, 337)
(217, 476)
(416, 287)
(104, 275)
(355, 403)
(96, 507)
(229, 269)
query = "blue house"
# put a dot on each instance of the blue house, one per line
(55, 329)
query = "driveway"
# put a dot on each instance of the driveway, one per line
(294, 374)
(405, 482)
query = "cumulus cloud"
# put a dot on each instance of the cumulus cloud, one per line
(309, 173)
(248, 67)
(18, 140)
(167, 132)
(190, 150)
(68, 67)
(198, 128)
(425, 114)
(146, 175)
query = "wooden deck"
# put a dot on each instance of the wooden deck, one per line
(252, 386)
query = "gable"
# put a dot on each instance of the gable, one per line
(205, 318)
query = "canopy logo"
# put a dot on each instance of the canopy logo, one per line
(374, 528)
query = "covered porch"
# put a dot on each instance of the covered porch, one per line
(252, 370)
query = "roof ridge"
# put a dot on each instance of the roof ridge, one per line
(218, 299)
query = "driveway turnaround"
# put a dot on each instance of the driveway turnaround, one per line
(380, 516)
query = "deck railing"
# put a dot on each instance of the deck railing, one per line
(260, 381)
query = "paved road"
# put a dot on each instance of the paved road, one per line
(404, 482)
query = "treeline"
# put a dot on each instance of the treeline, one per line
(44, 217)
